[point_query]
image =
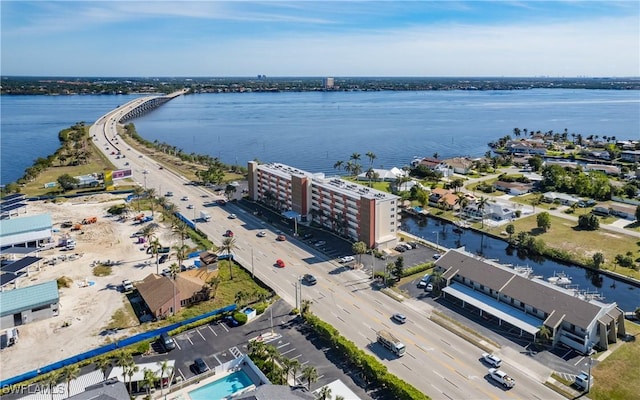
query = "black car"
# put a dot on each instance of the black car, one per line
(308, 235)
(163, 258)
(309, 279)
(200, 366)
(231, 322)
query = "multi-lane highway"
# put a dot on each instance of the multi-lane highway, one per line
(437, 362)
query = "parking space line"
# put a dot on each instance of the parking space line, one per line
(200, 333)
(182, 375)
(579, 361)
(283, 345)
(304, 363)
(225, 328)
(177, 345)
(288, 351)
(189, 339)
(211, 329)
(299, 355)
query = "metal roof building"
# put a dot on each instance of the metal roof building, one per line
(528, 304)
(31, 303)
(28, 231)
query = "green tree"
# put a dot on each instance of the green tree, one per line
(544, 221)
(305, 307)
(598, 260)
(155, 249)
(398, 267)
(52, 380)
(227, 247)
(181, 230)
(131, 370)
(138, 192)
(588, 222)
(165, 370)
(103, 364)
(229, 191)
(182, 252)
(438, 282)
(241, 298)
(544, 333)
(310, 375)
(482, 203)
(70, 373)
(638, 213)
(67, 182)
(359, 248)
(324, 393)
(637, 312)
(535, 162)
(511, 229)
(150, 380)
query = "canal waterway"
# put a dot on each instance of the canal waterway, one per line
(437, 231)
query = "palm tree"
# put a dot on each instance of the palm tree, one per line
(150, 193)
(137, 192)
(149, 230)
(170, 209)
(181, 254)
(155, 248)
(174, 269)
(437, 279)
(359, 248)
(241, 297)
(294, 367)
(181, 230)
(482, 203)
(103, 364)
(309, 374)
(256, 349)
(165, 369)
(272, 355)
(52, 380)
(544, 333)
(69, 373)
(228, 246)
(131, 370)
(286, 368)
(371, 156)
(338, 165)
(150, 380)
(355, 157)
(324, 393)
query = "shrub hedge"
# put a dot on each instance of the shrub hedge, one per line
(373, 370)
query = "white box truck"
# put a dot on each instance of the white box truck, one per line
(392, 343)
(204, 216)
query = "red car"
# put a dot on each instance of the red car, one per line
(229, 233)
(280, 263)
(281, 238)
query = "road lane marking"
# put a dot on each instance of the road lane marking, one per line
(464, 376)
(448, 355)
(444, 341)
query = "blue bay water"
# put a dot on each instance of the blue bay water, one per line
(314, 130)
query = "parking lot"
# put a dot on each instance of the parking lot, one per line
(218, 343)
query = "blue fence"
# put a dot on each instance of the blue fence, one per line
(110, 347)
(186, 220)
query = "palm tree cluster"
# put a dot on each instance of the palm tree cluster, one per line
(354, 168)
(278, 367)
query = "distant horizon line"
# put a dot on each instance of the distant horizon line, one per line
(261, 76)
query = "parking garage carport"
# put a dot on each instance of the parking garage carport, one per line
(489, 305)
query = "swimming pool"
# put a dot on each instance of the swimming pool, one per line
(223, 387)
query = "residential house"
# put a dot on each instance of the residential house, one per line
(513, 188)
(525, 146)
(630, 155)
(620, 210)
(434, 165)
(519, 303)
(599, 210)
(459, 165)
(563, 198)
(443, 198)
(164, 296)
(384, 175)
(563, 164)
(493, 211)
(607, 169)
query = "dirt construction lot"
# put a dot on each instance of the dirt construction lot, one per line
(86, 307)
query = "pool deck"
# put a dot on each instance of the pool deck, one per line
(183, 393)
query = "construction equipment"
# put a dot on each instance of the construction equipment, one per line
(90, 220)
(77, 227)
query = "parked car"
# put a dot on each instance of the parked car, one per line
(281, 238)
(230, 321)
(232, 216)
(280, 263)
(320, 243)
(307, 236)
(190, 206)
(167, 342)
(185, 198)
(228, 233)
(127, 285)
(221, 203)
(200, 366)
(437, 256)
(166, 272)
(261, 234)
(346, 259)
(163, 258)
(400, 318)
(400, 248)
(309, 279)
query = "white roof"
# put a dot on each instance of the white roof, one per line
(116, 372)
(60, 390)
(338, 388)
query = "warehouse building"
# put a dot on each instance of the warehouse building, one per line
(28, 304)
(32, 231)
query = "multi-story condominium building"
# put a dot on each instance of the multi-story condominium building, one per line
(356, 211)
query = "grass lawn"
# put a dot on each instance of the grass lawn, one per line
(616, 378)
(581, 244)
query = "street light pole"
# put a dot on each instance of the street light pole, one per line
(589, 375)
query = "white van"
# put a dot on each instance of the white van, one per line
(71, 245)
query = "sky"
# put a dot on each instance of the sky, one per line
(348, 38)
